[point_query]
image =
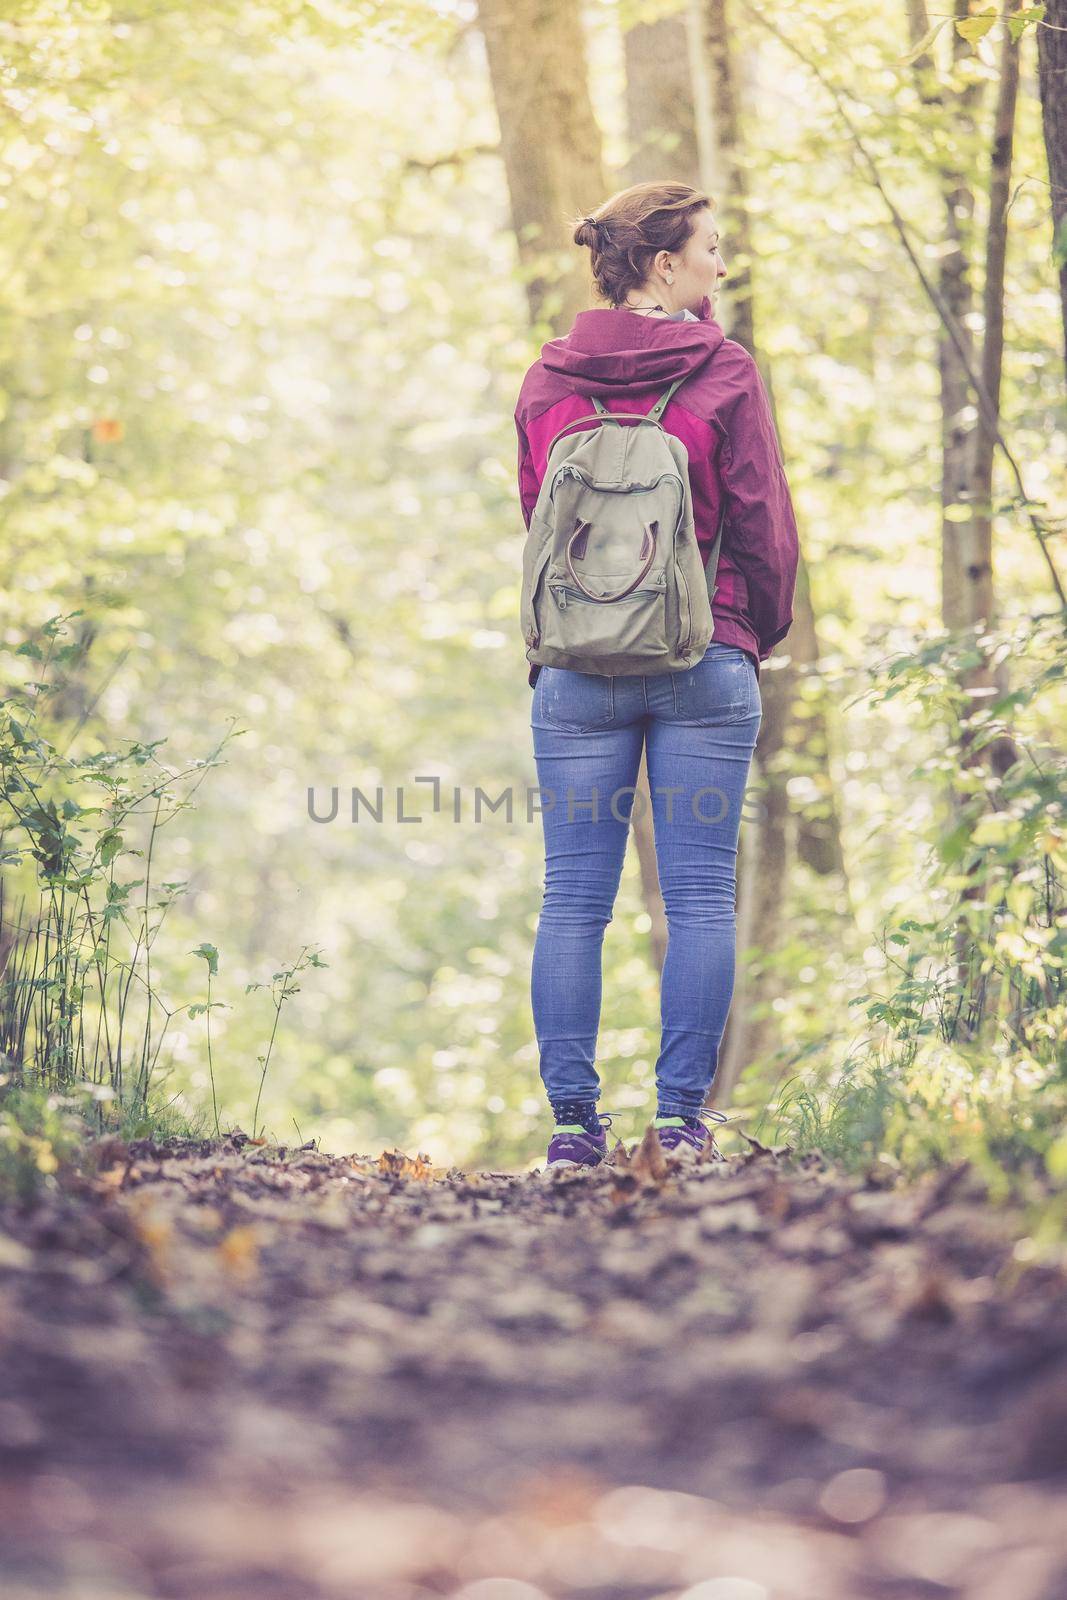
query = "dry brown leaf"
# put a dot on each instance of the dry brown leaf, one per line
(395, 1164)
(156, 1233)
(239, 1251)
(758, 1149)
(774, 1201)
(649, 1162)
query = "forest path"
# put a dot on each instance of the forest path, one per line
(233, 1372)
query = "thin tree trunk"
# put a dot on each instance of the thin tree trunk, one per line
(967, 592)
(983, 681)
(1052, 81)
(644, 837)
(954, 284)
(763, 867)
(978, 562)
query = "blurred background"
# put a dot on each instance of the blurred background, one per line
(272, 275)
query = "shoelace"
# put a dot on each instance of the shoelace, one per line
(706, 1111)
(605, 1118)
(717, 1117)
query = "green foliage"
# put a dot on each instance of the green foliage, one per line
(41, 1135)
(43, 1132)
(80, 1004)
(282, 988)
(77, 999)
(966, 1048)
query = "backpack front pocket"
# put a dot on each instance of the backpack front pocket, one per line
(531, 604)
(634, 625)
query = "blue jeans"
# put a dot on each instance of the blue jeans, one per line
(699, 727)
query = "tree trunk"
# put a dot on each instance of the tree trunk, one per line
(644, 837)
(967, 593)
(660, 104)
(1052, 80)
(763, 866)
(550, 143)
(957, 410)
(986, 680)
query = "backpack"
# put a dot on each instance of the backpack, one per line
(612, 579)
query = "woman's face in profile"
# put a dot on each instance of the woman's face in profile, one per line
(700, 266)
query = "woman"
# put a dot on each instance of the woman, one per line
(657, 265)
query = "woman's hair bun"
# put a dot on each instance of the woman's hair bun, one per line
(633, 226)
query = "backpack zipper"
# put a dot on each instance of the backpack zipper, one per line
(684, 646)
(568, 470)
(562, 590)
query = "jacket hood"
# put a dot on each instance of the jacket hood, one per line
(608, 352)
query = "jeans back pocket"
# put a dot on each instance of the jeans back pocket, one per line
(722, 687)
(577, 701)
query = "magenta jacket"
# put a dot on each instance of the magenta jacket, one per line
(721, 414)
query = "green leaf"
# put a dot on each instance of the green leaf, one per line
(923, 45)
(110, 845)
(976, 27)
(1019, 21)
(208, 953)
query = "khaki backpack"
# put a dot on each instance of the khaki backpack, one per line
(612, 580)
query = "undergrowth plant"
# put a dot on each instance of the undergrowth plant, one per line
(83, 1019)
(964, 1048)
(78, 1000)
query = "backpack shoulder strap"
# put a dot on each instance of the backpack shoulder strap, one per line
(656, 411)
(661, 404)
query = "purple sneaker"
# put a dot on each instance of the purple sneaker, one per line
(676, 1133)
(571, 1145)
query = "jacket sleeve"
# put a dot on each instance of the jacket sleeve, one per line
(529, 488)
(761, 528)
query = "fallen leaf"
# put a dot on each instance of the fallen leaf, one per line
(649, 1162)
(239, 1251)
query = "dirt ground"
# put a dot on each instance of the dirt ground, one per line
(233, 1372)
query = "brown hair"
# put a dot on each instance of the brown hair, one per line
(627, 232)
